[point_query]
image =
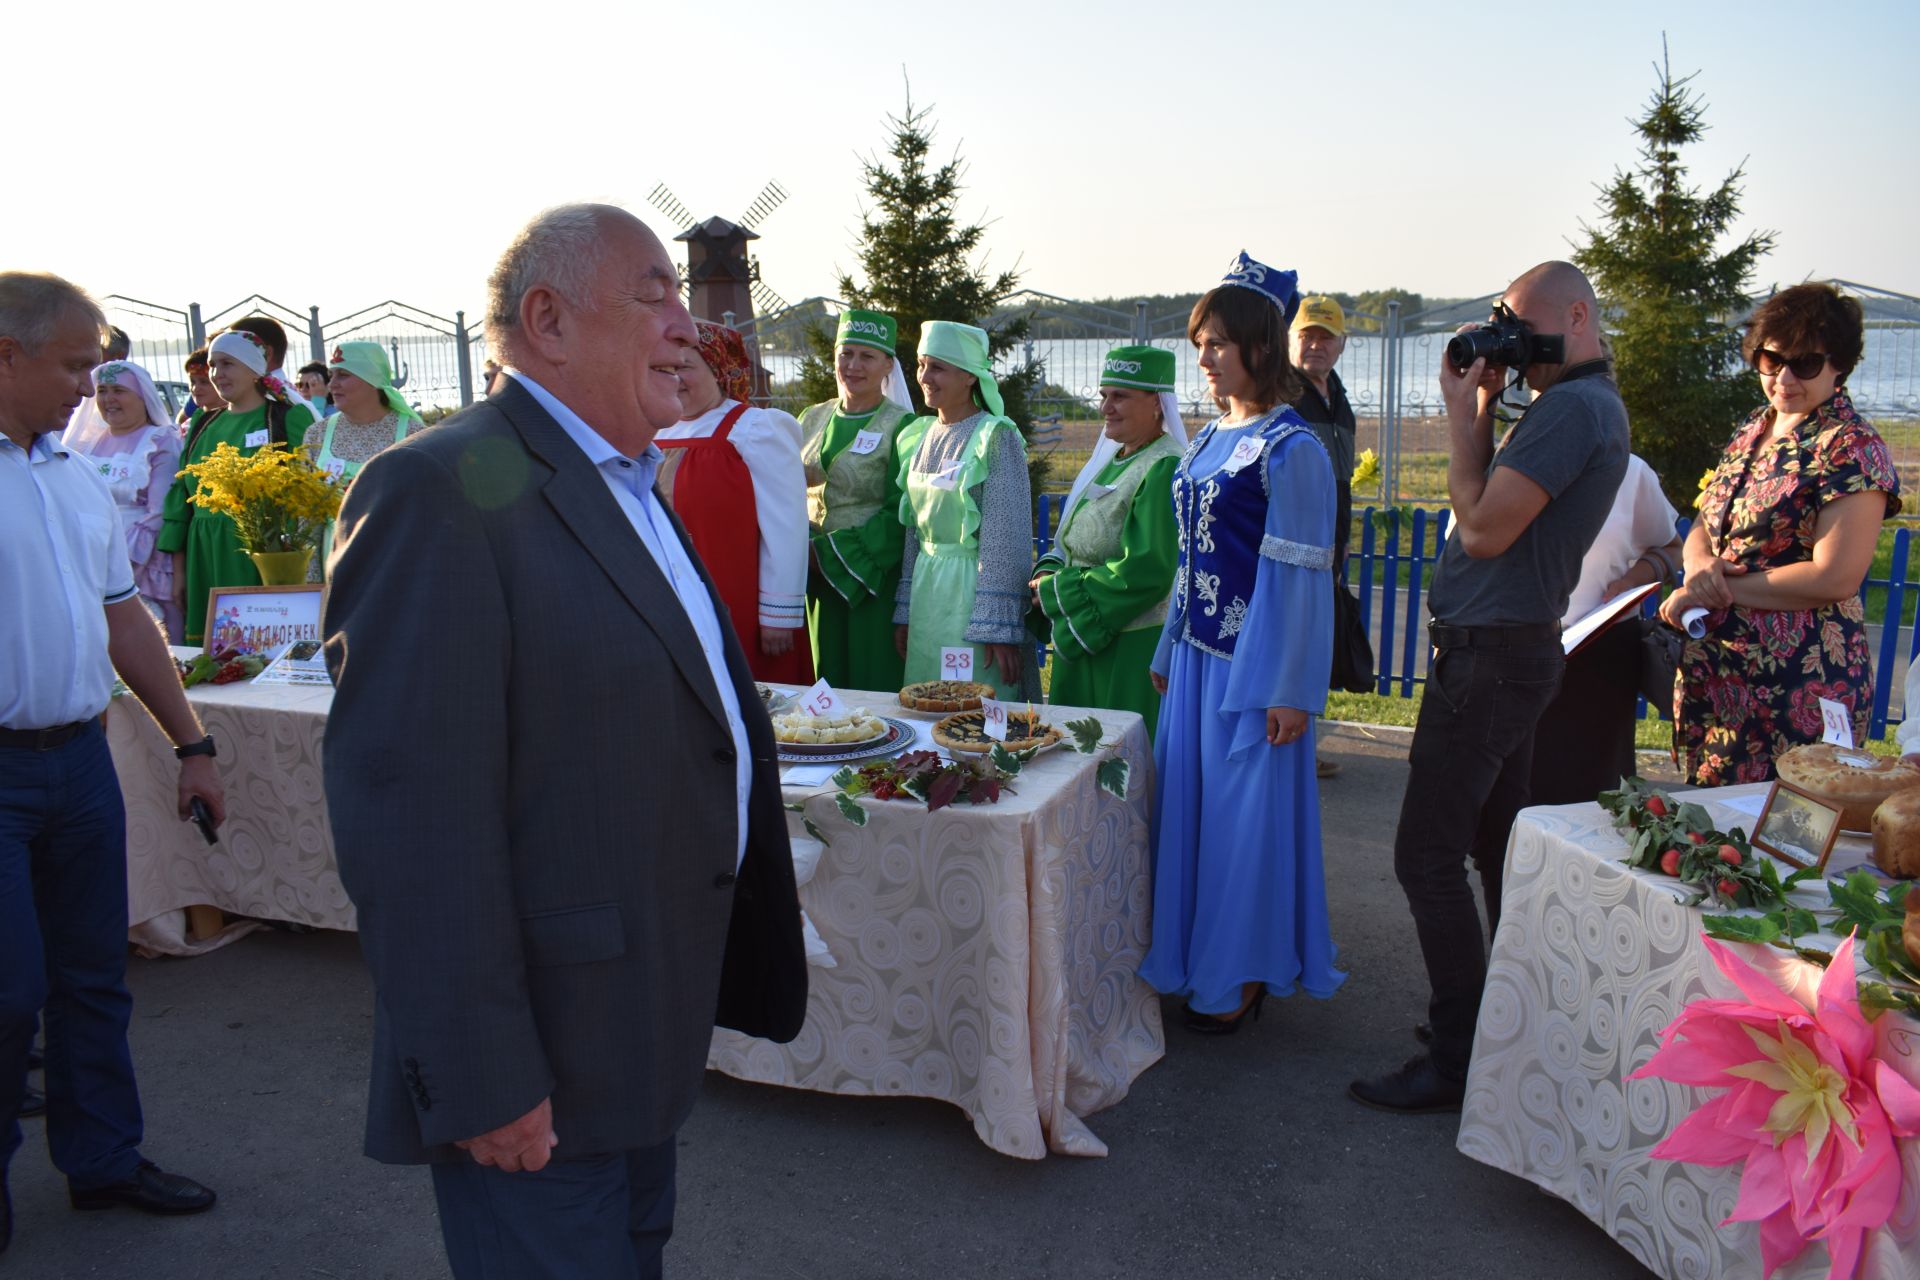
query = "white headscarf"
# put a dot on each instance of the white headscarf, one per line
(1108, 448)
(896, 389)
(88, 425)
(244, 347)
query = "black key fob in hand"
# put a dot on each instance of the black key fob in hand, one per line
(202, 818)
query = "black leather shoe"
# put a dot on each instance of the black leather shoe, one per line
(6, 1216)
(150, 1189)
(1423, 1032)
(32, 1103)
(1415, 1089)
(1207, 1024)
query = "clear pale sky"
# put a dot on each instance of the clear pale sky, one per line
(1114, 148)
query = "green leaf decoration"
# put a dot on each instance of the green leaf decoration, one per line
(1742, 928)
(1858, 899)
(1007, 762)
(845, 777)
(850, 809)
(816, 832)
(915, 785)
(1086, 735)
(1112, 775)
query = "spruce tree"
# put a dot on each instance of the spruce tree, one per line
(1675, 301)
(916, 263)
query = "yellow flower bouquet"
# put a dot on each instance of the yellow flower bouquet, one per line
(278, 499)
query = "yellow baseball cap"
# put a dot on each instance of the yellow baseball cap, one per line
(1321, 312)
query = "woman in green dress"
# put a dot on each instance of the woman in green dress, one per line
(853, 507)
(967, 510)
(369, 415)
(205, 545)
(1102, 590)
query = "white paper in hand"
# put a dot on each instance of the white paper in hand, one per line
(956, 662)
(821, 700)
(993, 719)
(1836, 723)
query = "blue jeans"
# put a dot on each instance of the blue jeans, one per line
(591, 1218)
(63, 948)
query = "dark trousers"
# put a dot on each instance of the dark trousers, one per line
(1471, 756)
(63, 948)
(1584, 742)
(593, 1218)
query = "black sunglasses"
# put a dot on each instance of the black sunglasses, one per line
(1804, 367)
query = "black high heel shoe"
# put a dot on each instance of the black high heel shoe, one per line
(1207, 1024)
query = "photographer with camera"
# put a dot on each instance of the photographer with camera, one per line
(1524, 514)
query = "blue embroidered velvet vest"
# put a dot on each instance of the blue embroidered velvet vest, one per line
(1221, 518)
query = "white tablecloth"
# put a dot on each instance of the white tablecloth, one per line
(1591, 962)
(985, 954)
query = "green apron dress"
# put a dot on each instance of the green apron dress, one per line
(853, 510)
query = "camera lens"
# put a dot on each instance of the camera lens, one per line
(1464, 348)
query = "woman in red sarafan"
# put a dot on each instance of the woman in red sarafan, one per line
(1787, 528)
(734, 477)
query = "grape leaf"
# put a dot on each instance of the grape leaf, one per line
(1112, 775)
(1006, 761)
(915, 785)
(1859, 901)
(985, 791)
(945, 789)
(845, 777)
(850, 809)
(1742, 928)
(1086, 735)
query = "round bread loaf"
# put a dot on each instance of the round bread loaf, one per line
(1852, 781)
(1896, 838)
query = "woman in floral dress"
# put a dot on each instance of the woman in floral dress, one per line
(1787, 528)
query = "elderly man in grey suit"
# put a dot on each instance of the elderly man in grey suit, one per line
(551, 784)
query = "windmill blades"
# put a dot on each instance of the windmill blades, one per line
(771, 197)
(668, 203)
(765, 301)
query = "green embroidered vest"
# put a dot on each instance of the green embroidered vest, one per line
(855, 487)
(1090, 534)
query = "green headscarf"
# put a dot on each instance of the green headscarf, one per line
(368, 362)
(1147, 368)
(867, 329)
(964, 346)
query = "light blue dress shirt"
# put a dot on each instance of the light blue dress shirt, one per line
(63, 559)
(630, 480)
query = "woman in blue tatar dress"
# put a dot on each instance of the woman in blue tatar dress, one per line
(1239, 893)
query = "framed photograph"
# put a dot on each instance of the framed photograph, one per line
(262, 619)
(1796, 827)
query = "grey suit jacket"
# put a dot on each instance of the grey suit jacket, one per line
(530, 781)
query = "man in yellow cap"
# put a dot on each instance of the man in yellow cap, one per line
(1316, 340)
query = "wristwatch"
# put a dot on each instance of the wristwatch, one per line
(204, 747)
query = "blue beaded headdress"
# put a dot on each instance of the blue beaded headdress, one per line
(1278, 287)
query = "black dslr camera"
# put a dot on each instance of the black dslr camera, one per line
(1505, 341)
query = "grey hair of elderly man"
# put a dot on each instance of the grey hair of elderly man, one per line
(33, 303)
(586, 300)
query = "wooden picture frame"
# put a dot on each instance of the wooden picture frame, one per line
(262, 619)
(1801, 831)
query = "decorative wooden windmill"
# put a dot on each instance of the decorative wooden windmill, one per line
(722, 277)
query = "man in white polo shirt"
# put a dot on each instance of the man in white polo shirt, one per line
(71, 619)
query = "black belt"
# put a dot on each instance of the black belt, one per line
(43, 739)
(1444, 636)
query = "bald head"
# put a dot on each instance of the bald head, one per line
(1557, 297)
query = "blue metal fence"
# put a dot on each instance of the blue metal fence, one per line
(1390, 570)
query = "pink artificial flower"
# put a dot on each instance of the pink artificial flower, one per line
(1808, 1106)
(273, 385)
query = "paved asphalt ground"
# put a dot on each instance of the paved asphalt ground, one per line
(1232, 1157)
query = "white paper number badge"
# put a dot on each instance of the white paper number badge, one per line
(865, 442)
(255, 439)
(1243, 453)
(821, 700)
(1836, 723)
(956, 662)
(949, 477)
(337, 468)
(993, 719)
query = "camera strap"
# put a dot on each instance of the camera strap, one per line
(1508, 414)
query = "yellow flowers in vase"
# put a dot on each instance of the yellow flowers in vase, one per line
(279, 500)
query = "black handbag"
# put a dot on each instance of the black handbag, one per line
(1659, 662)
(1352, 650)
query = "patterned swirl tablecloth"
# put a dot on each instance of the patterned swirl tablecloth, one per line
(1591, 962)
(274, 860)
(985, 955)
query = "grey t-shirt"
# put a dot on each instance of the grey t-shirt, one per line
(1573, 443)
